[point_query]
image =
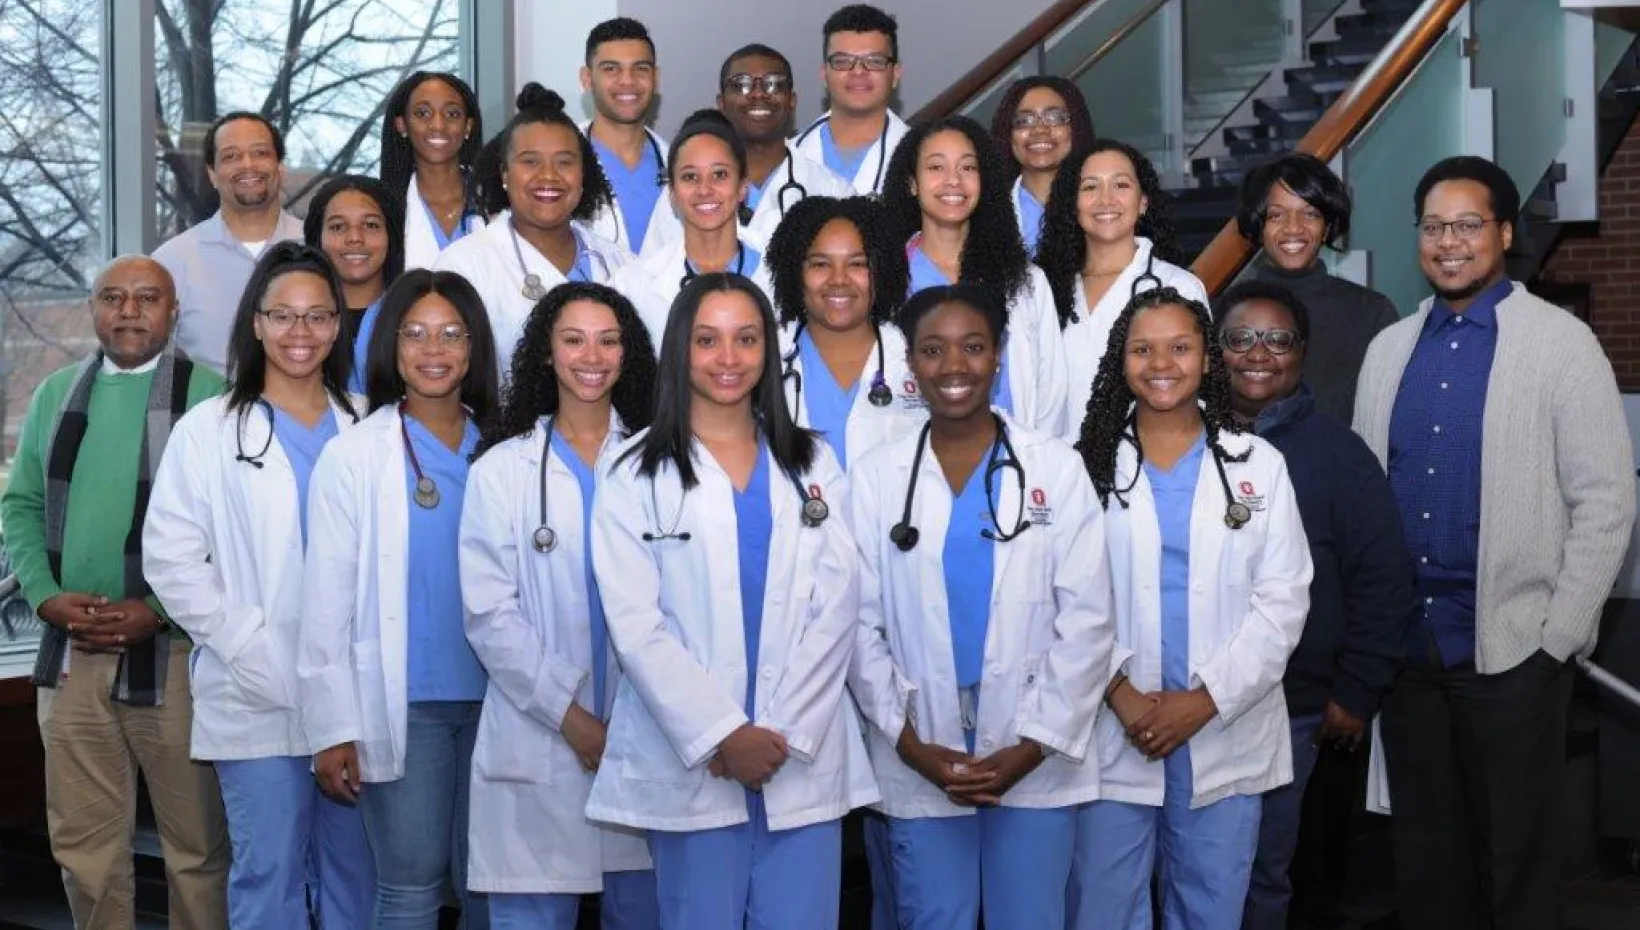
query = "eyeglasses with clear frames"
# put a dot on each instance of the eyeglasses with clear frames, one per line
(744, 84)
(1052, 116)
(448, 336)
(842, 61)
(1242, 340)
(316, 320)
(1468, 227)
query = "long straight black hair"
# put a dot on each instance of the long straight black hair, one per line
(383, 383)
(390, 204)
(248, 360)
(670, 438)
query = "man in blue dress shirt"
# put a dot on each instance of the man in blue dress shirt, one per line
(1499, 420)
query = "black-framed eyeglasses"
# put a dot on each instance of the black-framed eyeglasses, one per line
(451, 335)
(316, 320)
(744, 84)
(842, 61)
(1052, 116)
(1243, 339)
(1468, 227)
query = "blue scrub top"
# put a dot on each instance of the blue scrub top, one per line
(581, 269)
(1030, 219)
(302, 445)
(925, 274)
(595, 604)
(1175, 494)
(754, 195)
(754, 524)
(968, 559)
(828, 402)
(442, 666)
(635, 189)
(439, 235)
(744, 264)
(845, 163)
(361, 345)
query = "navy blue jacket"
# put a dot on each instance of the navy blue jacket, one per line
(1363, 594)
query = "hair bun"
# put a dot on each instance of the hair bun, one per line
(536, 97)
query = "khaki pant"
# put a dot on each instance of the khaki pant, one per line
(93, 748)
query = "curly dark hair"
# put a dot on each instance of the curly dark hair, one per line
(1002, 121)
(789, 247)
(399, 159)
(532, 390)
(1063, 248)
(536, 104)
(1110, 410)
(993, 254)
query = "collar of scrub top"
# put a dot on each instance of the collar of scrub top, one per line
(1236, 513)
(255, 461)
(882, 147)
(533, 289)
(904, 534)
(689, 273)
(1149, 274)
(878, 394)
(814, 510)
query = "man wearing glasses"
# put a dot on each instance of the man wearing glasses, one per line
(861, 69)
(1499, 420)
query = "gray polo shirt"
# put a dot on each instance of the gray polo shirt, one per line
(211, 269)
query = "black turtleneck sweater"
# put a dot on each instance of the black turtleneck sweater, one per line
(1344, 317)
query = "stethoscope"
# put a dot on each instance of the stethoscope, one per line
(660, 182)
(426, 494)
(545, 538)
(878, 394)
(814, 511)
(791, 185)
(904, 536)
(1236, 513)
(533, 289)
(1149, 274)
(882, 149)
(255, 461)
(689, 273)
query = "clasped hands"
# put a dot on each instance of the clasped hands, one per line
(97, 624)
(967, 779)
(1160, 722)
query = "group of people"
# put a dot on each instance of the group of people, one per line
(544, 518)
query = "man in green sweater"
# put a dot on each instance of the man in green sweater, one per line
(112, 672)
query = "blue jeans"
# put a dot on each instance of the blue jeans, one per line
(1012, 864)
(627, 903)
(418, 824)
(1270, 891)
(291, 846)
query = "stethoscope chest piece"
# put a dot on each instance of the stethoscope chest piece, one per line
(904, 536)
(879, 395)
(545, 539)
(426, 495)
(533, 289)
(1237, 515)
(815, 511)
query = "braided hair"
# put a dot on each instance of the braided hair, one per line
(399, 159)
(1063, 248)
(1110, 409)
(533, 391)
(993, 254)
(536, 104)
(789, 246)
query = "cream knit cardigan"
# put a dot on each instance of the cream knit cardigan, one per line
(1557, 476)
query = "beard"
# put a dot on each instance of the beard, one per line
(253, 198)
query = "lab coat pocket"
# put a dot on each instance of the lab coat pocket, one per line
(258, 671)
(643, 752)
(512, 747)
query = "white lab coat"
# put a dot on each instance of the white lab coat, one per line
(653, 282)
(222, 549)
(1249, 595)
(353, 658)
(1047, 647)
(1085, 341)
(868, 180)
(420, 241)
(488, 260)
(608, 223)
(674, 614)
(528, 620)
(1036, 360)
(811, 179)
(868, 426)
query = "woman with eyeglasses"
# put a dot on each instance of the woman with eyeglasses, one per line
(582, 381)
(1107, 238)
(730, 586)
(947, 200)
(356, 222)
(390, 689)
(984, 636)
(541, 184)
(222, 549)
(1037, 123)
(1362, 594)
(430, 140)
(706, 185)
(1211, 574)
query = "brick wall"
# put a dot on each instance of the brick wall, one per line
(1608, 260)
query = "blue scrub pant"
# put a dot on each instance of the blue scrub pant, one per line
(747, 876)
(880, 863)
(418, 824)
(1012, 863)
(627, 903)
(1203, 858)
(292, 845)
(1271, 890)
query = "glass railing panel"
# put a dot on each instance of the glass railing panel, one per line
(1531, 102)
(983, 104)
(1126, 91)
(1228, 49)
(1079, 38)
(1610, 44)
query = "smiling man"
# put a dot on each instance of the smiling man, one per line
(245, 162)
(621, 76)
(861, 69)
(1499, 420)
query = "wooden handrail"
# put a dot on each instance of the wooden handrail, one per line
(1116, 38)
(1343, 121)
(998, 62)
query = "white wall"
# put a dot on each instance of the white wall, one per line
(939, 41)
